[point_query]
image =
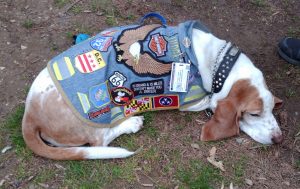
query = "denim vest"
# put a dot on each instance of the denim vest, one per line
(104, 84)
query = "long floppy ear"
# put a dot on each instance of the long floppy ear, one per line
(224, 122)
(278, 103)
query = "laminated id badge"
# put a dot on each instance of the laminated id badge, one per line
(179, 77)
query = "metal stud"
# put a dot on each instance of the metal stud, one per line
(220, 79)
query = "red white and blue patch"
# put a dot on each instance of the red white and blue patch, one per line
(158, 45)
(101, 43)
(166, 102)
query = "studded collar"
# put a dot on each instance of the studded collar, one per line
(224, 68)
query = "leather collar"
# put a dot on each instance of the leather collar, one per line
(225, 67)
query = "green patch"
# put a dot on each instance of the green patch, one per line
(60, 3)
(149, 129)
(13, 126)
(76, 9)
(290, 93)
(297, 162)
(197, 175)
(126, 141)
(28, 24)
(259, 3)
(239, 170)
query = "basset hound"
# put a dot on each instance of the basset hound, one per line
(52, 130)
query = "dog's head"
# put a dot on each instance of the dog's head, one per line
(249, 108)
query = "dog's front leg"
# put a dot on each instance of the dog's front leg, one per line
(130, 125)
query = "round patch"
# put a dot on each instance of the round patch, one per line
(121, 96)
(165, 101)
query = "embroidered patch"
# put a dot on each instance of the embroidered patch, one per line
(174, 46)
(89, 62)
(158, 45)
(166, 102)
(138, 106)
(101, 43)
(116, 114)
(144, 64)
(121, 96)
(84, 101)
(117, 79)
(108, 33)
(99, 95)
(148, 87)
(63, 69)
(95, 114)
(195, 93)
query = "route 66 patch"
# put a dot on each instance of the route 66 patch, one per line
(117, 79)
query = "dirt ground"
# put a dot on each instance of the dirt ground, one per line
(32, 32)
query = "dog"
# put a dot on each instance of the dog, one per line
(243, 101)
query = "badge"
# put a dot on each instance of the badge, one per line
(158, 45)
(121, 96)
(138, 106)
(99, 95)
(166, 102)
(89, 62)
(97, 113)
(101, 43)
(186, 42)
(84, 101)
(63, 69)
(117, 79)
(148, 87)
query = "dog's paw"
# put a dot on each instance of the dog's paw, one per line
(135, 124)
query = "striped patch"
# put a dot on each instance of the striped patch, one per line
(195, 93)
(63, 69)
(116, 114)
(89, 62)
(84, 101)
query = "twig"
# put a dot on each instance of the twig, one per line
(71, 5)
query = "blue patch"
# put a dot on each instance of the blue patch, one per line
(99, 95)
(101, 43)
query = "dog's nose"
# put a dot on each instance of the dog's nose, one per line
(278, 138)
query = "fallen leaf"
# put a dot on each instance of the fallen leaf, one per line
(5, 149)
(196, 146)
(2, 182)
(249, 182)
(211, 159)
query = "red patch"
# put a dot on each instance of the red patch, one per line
(166, 102)
(158, 45)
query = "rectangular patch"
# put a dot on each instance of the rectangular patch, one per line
(166, 102)
(148, 87)
(138, 106)
(97, 113)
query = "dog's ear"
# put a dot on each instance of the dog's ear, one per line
(224, 122)
(278, 102)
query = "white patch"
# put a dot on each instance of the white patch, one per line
(104, 152)
(135, 50)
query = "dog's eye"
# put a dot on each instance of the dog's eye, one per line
(255, 115)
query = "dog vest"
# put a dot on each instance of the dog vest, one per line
(104, 83)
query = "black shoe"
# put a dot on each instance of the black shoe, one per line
(289, 50)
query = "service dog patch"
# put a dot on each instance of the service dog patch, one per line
(121, 96)
(148, 87)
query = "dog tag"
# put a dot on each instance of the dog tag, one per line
(179, 77)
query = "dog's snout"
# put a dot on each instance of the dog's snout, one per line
(277, 138)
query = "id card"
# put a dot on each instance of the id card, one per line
(179, 77)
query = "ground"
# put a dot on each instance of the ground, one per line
(32, 32)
